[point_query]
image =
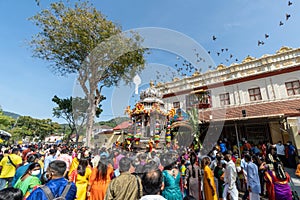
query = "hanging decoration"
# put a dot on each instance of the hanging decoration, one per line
(168, 133)
(137, 138)
(157, 133)
(129, 137)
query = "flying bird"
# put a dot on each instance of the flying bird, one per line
(214, 37)
(266, 36)
(287, 16)
(260, 43)
(290, 3)
(280, 23)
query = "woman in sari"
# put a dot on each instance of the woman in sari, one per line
(209, 186)
(28, 182)
(278, 183)
(100, 179)
(81, 178)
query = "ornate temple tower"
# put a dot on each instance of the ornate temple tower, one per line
(149, 116)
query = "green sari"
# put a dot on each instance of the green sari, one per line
(27, 185)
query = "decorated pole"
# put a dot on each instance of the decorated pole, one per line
(168, 134)
(157, 133)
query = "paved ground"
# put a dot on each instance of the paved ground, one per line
(295, 180)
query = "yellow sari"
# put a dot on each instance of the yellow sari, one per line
(82, 184)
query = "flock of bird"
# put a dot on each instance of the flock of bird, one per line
(281, 23)
(186, 68)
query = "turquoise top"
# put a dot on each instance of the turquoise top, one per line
(171, 190)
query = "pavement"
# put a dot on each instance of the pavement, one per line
(294, 180)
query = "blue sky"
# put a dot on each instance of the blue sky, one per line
(27, 84)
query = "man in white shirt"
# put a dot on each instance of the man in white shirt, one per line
(280, 152)
(230, 179)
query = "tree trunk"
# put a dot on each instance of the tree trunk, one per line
(91, 112)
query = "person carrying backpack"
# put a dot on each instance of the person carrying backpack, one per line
(57, 188)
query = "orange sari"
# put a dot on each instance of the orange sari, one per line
(99, 186)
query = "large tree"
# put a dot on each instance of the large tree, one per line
(79, 39)
(73, 110)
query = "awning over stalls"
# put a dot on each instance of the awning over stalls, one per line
(4, 133)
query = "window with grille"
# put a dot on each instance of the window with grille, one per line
(224, 99)
(292, 88)
(254, 94)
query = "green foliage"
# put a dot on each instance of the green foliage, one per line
(194, 122)
(6, 122)
(79, 39)
(40, 128)
(113, 122)
(74, 111)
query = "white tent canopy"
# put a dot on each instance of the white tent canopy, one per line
(4, 133)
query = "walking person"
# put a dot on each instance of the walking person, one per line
(280, 150)
(152, 184)
(100, 179)
(8, 166)
(64, 156)
(28, 182)
(125, 186)
(230, 176)
(81, 178)
(291, 157)
(193, 178)
(171, 179)
(253, 182)
(56, 183)
(209, 185)
(49, 158)
(32, 158)
(219, 175)
(278, 183)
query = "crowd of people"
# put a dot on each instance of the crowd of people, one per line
(59, 171)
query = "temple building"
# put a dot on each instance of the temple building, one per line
(256, 100)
